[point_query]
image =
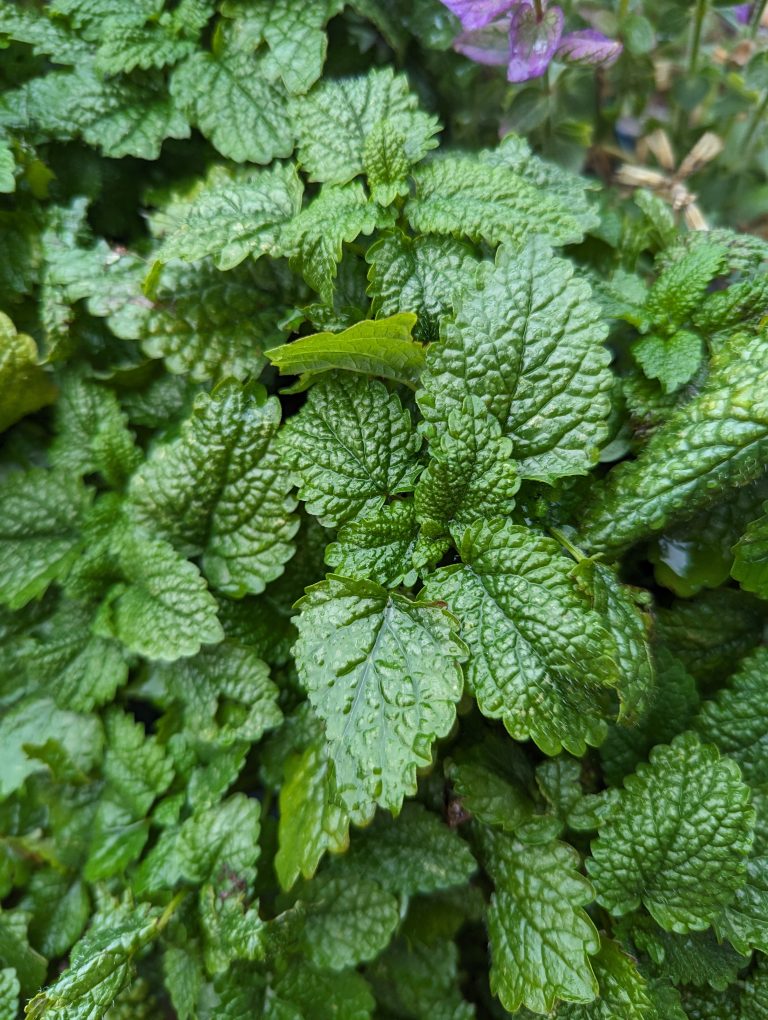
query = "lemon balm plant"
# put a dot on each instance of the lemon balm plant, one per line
(383, 549)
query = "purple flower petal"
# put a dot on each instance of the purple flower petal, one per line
(532, 41)
(743, 13)
(487, 45)
(588, 47)
(477, 13)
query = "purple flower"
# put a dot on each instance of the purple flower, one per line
(477, 13)
(743, 13)
(588, 47)
(527, 38)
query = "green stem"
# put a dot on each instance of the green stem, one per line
(623, 9)
(757, 17)
(577, 554)
(698, 25)
(171, 909)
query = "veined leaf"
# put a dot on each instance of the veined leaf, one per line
(24, 384)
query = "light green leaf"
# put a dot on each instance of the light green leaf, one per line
(220, 489)
(382, 673)
(718, 440)
(9, 992)
(418, 274)
(310, 821)
(672, 360)
(223, 694)
(540, 937)
(744, 922)
(750, 565)
(681, 285)
(35, 722)
(354, 107)
(386, 163)
(623, 990)
(471, 197)
(40, 517)
(470, 474)
(163, 610)
(352, 446)
(24, 385)
(236, 102)
(234, 215)
(538, 652)
(527, 341)
(346, 921)
(182, 975)
(382, 347)
(676, 838)
(136, 767)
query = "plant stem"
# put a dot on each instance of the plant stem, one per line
(754, 124)
(698, 24)
(171, 909)
(623, 9)
(757, 17)
(538, 6)
(577, 554)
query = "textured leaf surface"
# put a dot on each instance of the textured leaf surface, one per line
(39, 534)
(230, 217)
(464, 195)
(237, 104)
(220, 489)
(374, 347)
(540, 937)
(623, 990)
(380, 547)
(750, 565)
(527, 341)
(471, 474)
(355, 106)
(538, 652)
(164, 609)
(24, 385)
(418, 274)
(382, 673)
(352, 446)
(693, 959)
(715, 441)
(676, 838)
(744, 922)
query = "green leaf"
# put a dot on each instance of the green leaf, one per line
(415, 853)
(47, 36)
(490, 797)
(81, 670)
(294, 34)
(236, 102)
(24, 384)
(730, 307)
(310, 821)
(355, 107)
(9, 992)
(714, 442)
(346, 921)
(100, 967)
(470, 474)
(625, 610)
(693, 959)
(33, 723)
(15, 951)
(419, 981)
(527, 341)
(217, 844)
(60, 911)
(223, 694)
(163, 610)
(538, 652)
(352, 446)
(709, 1005)
(475, 198)
(540, 937)
(314, 238)
(754, 998)
(220, 490)
(382, 347)
(623, 990)
(744, 921)
(418, 274)
(737, 718)
(386, 163)
(92, 433)
(750, 565)
(136, 767)
(676, 837)
(231, 216)
(681, 285)
(382, 673)
(40, 515)
(380, 547)
(672, 360)
(183, 978)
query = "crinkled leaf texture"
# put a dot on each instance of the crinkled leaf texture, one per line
(527, 341)
(676, 838)
(383, 674)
